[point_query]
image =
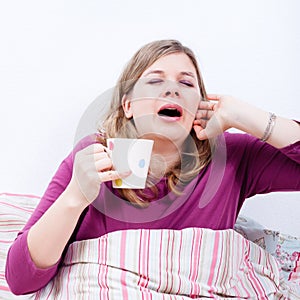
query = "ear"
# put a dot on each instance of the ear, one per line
(126, 104)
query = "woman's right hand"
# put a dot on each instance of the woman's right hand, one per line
(92, 166)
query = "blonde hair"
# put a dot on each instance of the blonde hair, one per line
(116, 124)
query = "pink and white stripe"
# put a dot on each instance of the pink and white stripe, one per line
(168, 264)
(15, 210)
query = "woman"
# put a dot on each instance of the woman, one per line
(201, 177)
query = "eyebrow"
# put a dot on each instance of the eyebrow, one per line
(161, 72)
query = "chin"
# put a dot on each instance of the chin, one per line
(166, 134)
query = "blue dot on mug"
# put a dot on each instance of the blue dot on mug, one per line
(142, 163)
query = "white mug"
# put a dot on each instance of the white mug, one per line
(133, 155)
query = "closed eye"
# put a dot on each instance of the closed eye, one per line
(187, 83)
(155, 80)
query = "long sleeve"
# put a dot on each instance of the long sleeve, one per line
(269, 169)
(22, 275)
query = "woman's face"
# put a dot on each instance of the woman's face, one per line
(164, 101)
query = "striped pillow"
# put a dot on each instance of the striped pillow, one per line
(191, 263)
(15, 209)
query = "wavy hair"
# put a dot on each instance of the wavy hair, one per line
(195, 154)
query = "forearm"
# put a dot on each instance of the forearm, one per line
(48, 237)
(254, 121)
(224, 112)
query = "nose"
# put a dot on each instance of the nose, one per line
(171, 90)
(169, 93)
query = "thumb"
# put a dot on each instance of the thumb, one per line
(200, 132)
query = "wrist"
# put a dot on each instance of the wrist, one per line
(74, 197)
(232, 113)
(248, 118)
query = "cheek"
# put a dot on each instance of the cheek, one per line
(192, 100)
(142, 90)
(143, 106)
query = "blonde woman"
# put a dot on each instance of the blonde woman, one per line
(159, 96)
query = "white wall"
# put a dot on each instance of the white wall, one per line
(57, 57)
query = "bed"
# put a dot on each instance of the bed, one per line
(249, 262)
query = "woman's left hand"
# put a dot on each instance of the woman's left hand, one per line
(213, 117)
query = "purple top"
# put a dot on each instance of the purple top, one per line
(242, 166)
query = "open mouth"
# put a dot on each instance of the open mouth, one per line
(170, 111)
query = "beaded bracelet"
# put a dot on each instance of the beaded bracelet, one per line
(269, 128)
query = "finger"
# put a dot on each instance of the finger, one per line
(103, 164)
(201, 123)
(204, 114)
(206, 105)
(214, 97)
(201, 114)
(112, 175)
(108, 151)
(94, 148)
(99, 148)
(200, 132)
(100, 155)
